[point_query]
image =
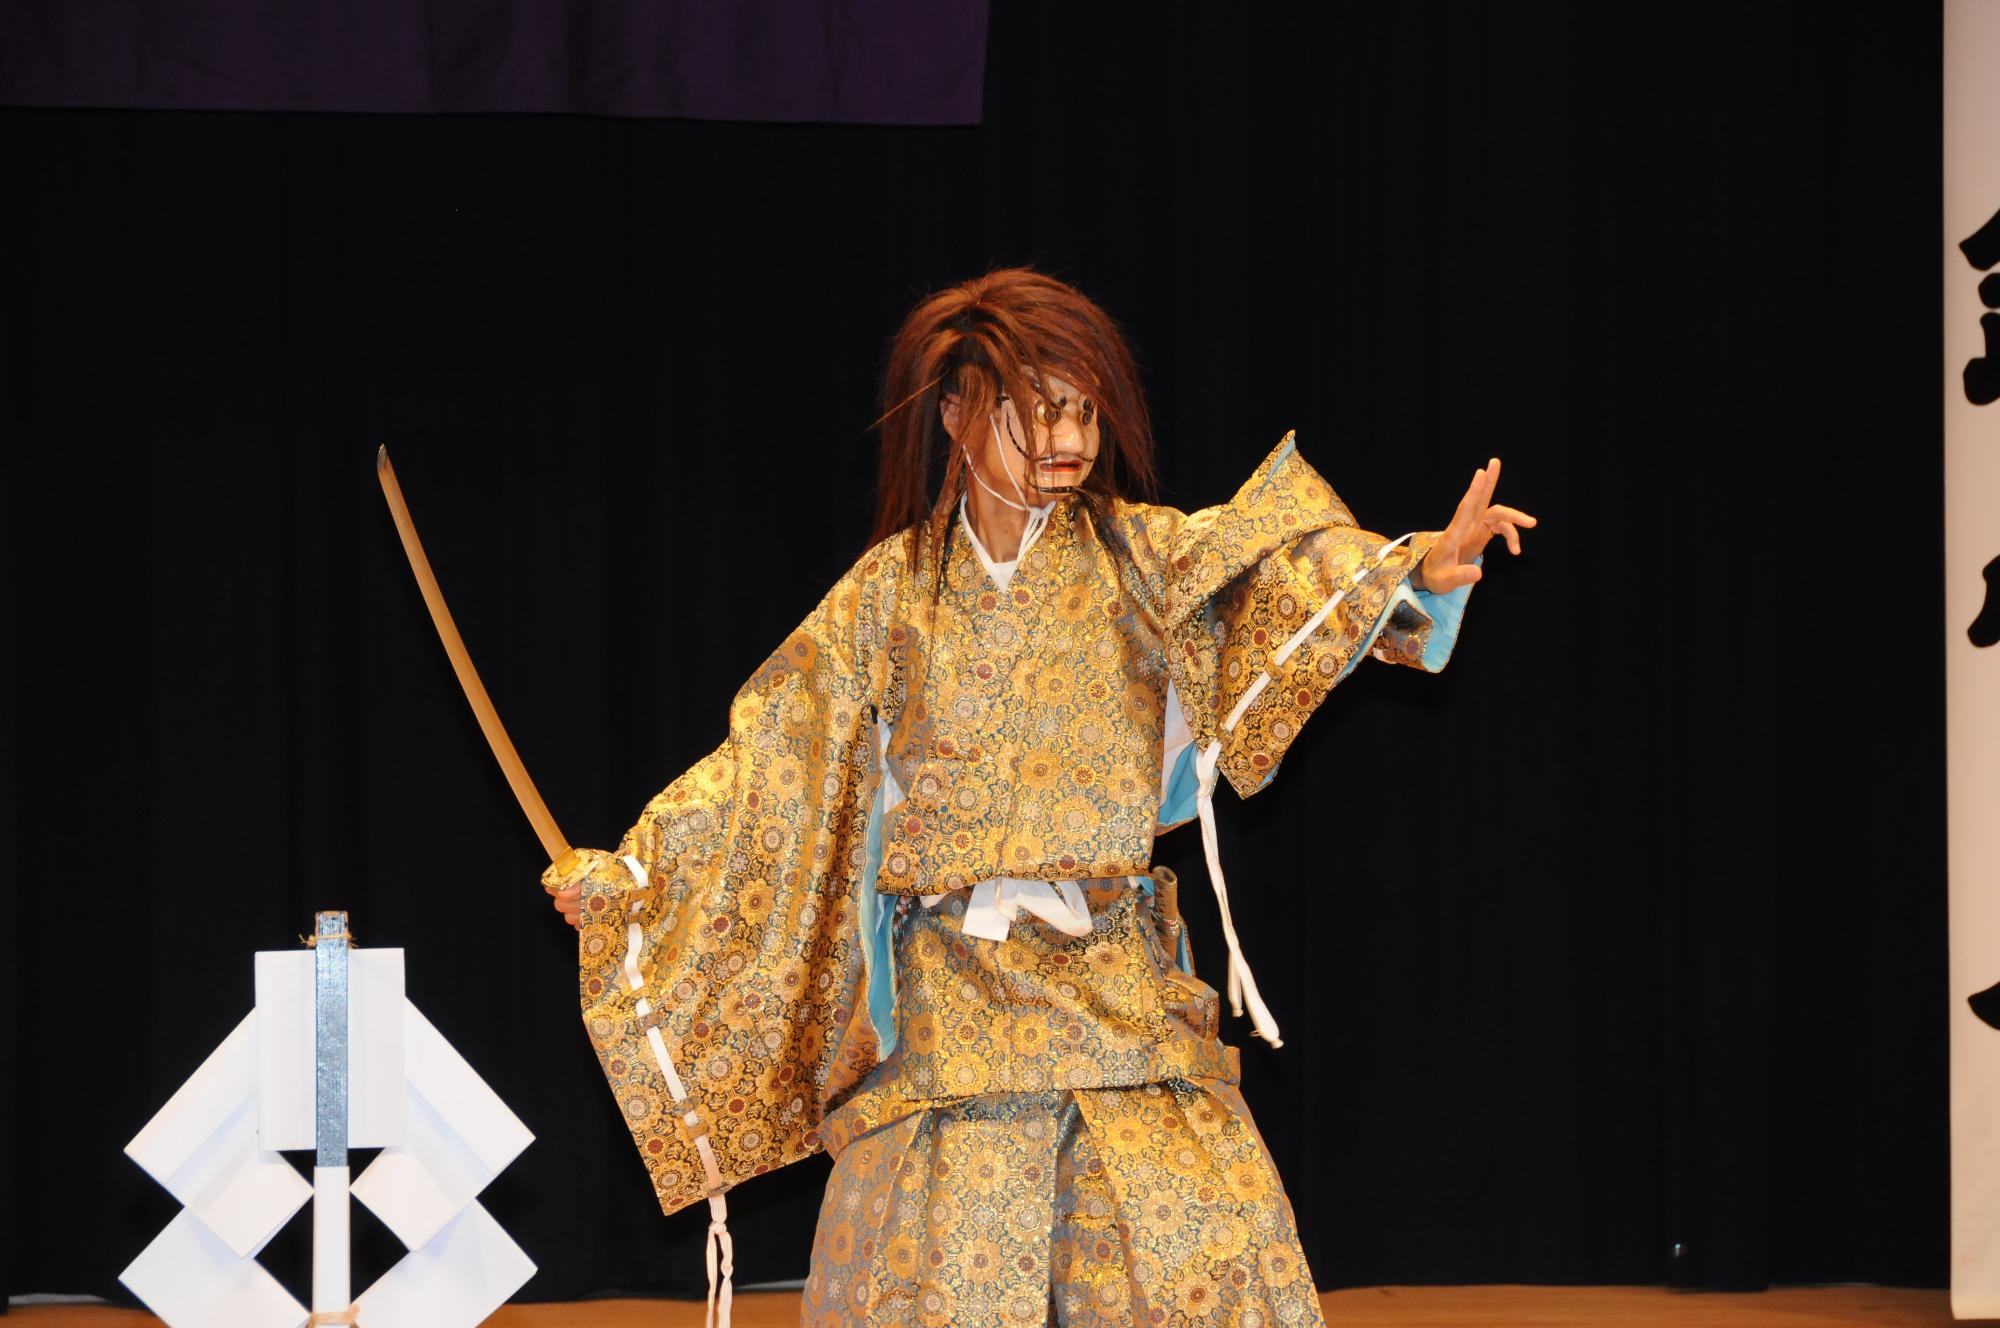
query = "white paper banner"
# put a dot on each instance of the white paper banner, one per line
(1972, 628)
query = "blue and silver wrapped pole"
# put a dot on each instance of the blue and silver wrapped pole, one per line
(330, 1291)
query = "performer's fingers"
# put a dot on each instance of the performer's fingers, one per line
(1514, 514)
(1512, 537)
(1465, 516)
(1470, 503)
(1464, 574)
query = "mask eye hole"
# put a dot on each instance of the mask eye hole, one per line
(1088, 411)
(1048, 413)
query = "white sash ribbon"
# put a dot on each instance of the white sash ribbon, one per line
(996, 903)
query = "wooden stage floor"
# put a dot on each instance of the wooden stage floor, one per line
(1368, 1307)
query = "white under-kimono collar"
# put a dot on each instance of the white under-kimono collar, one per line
(1003, 573)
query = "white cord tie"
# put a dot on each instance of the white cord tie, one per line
(721, 1249)
(1242, 986)
(721, 1254)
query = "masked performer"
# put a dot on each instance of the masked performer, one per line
(907, 911)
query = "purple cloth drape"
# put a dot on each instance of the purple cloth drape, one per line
(869, 61)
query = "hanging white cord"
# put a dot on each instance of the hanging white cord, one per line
(721, 1250)
(1242, 985)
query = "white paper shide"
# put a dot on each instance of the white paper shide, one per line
(333, 1057)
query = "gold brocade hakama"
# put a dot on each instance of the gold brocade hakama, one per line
(1098, 1165)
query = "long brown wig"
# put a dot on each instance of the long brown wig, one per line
(1003, 334)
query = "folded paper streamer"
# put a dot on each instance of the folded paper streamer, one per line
(400, 1087)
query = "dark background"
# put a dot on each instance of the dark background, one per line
(1625, 934)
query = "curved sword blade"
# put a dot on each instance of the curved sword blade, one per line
(525, 792)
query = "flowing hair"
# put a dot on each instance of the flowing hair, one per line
(1002, 334)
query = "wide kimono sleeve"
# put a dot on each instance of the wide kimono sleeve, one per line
(719, 957)
(1264, 604)
(1269, 600)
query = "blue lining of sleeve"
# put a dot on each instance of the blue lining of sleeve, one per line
(1291, 446)
(878, 922)
(1446, 612)
(1182, 787)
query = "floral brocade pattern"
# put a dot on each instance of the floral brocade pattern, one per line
(1094, 1208)
(1038, 1011)
(1028, 735)
(1029, 743)
(748, 951)
(1235, 583)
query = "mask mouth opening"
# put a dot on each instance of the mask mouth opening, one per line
(1064, 468)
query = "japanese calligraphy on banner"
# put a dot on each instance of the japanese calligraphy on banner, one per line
(1971, 252)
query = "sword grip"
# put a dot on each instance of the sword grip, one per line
(567, 870)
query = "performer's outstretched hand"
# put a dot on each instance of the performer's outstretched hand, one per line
(1449, 564)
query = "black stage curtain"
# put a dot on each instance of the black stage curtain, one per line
(1616, 953)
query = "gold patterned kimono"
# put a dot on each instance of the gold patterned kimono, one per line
(776, 959)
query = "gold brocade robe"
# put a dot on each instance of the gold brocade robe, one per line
(1027, 735)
